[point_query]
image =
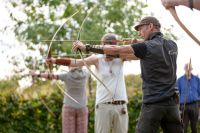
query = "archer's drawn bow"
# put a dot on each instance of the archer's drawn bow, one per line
(49, 50)
(49, 55)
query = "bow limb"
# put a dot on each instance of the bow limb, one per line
(174, 14)
(62, 90)
(51, 42)
(81, 55)
(37, 92)
(49, 55)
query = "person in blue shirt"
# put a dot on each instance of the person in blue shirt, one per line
(189, 89)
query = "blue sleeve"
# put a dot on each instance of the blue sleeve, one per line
(198, 86)
(179, 86)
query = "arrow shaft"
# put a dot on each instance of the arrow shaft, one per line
(84, 41)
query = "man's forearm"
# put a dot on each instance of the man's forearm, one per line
(103, 49)
(125, 52)
(65, 62)
(48, 76)
(95, 49)
(69, 62)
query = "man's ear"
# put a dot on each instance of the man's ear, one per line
(151, 26)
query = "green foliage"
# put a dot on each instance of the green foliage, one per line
(44, 17)
(91, 108)
(9, 83)
(19, 114)
(133, 81)
(30, 116)
(27, 113)
(8, 86)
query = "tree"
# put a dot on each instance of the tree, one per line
(42, 18)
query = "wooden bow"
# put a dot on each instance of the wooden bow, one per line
(174, 14)
(49, 56)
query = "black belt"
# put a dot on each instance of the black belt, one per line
(116, 102)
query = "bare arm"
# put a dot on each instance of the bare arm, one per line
(126, 52)
(44, 75)
(91, 60)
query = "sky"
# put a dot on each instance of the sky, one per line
(187, 47)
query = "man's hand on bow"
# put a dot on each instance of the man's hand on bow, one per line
(50, 61)
(78, 46)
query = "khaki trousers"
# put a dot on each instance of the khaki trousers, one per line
(110, 118)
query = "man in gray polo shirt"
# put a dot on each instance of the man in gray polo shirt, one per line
(158, 66)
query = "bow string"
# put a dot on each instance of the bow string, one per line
(80, 53)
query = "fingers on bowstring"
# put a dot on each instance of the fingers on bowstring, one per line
(75, 46)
